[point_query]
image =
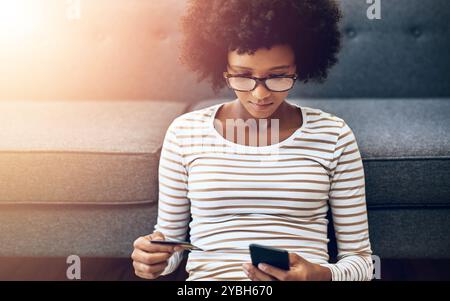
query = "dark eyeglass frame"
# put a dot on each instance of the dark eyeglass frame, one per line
(258, 80)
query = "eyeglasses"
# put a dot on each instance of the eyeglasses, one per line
(246, 83)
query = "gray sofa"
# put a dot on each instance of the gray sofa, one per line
(78, 160)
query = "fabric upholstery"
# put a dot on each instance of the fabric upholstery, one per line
(129, 49)
(79, 177)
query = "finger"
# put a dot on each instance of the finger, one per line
(142, 275)
(157, 236)
(273, 271)
(157, 268)
(245, 268)
(144, 244)
(147, 269)
(150, 258)
(155, 247)
(150, 276)
(295, 259)
(256, 274)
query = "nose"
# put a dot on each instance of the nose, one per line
(260, 92)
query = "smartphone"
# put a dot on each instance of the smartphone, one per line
(275, 257)
(185, 244)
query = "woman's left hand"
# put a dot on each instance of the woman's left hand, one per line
(300, 270)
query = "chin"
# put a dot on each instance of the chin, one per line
(260, 115)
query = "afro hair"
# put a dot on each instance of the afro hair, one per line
(212, 28)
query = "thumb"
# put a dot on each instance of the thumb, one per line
(157, 236)
(295, 259)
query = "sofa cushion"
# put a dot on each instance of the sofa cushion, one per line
(403, 54)
(82, 152)
(79, 176)
(83, 230)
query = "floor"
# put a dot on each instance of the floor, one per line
(121, 269)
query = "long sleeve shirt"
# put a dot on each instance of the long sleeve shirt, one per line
(231, 195)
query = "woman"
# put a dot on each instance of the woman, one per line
(259, 169)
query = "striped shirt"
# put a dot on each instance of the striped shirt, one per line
(231, 195)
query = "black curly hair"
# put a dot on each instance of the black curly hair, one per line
(211, 28)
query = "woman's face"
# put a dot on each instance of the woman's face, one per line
(279, 60)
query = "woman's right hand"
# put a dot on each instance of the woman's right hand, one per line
(150, 260)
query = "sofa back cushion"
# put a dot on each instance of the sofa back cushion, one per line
(129, 49)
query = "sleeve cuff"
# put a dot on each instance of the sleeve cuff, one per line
(174, 262)
(334, 271)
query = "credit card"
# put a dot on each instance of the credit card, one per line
(185, 244)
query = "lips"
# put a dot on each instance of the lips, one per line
(261, 106)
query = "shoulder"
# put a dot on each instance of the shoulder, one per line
(318, 119)
(322, 121)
